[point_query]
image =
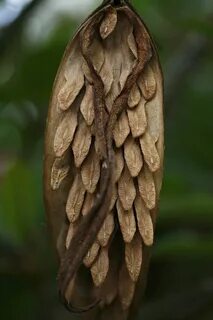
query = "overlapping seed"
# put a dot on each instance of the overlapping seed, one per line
(146, 186)
(127, 222)
(144, 220)
(133, 257)
(126, 190)
(75, 199)
(100, 267)
(133, 156)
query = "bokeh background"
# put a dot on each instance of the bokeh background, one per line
(33, 36)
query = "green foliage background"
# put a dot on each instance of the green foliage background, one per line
(181, 277)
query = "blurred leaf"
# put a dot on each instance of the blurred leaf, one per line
(19, 203)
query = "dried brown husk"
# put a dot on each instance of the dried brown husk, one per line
(74, 156)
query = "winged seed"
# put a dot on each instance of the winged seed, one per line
(87, 106)
(121, 130)
(147, 83)
(146, 186)
(119, 164)
(74, 83)
(75, 199)
(100, 267)
(91, 255)
(134, 96)
(106, 230)
(65, 133)
(109, 23)
(81, 143)
(133, 257)
(150, 152)
(133, 156)
(144, 220)
(126, 190)
(137, 119)
(59, 173)
(127, 222)
(90, 171)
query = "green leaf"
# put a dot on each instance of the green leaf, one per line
(19, 203)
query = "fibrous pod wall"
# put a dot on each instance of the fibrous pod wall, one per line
(103, 160)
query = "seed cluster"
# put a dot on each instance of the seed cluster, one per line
(137, 150)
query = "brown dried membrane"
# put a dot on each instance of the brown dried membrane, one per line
(127, 222)
(144, 219)
(105, 124)
(133, 257)
(133, 156)
(153, 118)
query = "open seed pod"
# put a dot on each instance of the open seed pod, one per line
(103, 161)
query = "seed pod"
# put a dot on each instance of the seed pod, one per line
(103, 158)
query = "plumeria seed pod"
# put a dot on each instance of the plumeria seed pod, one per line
(103, 161)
